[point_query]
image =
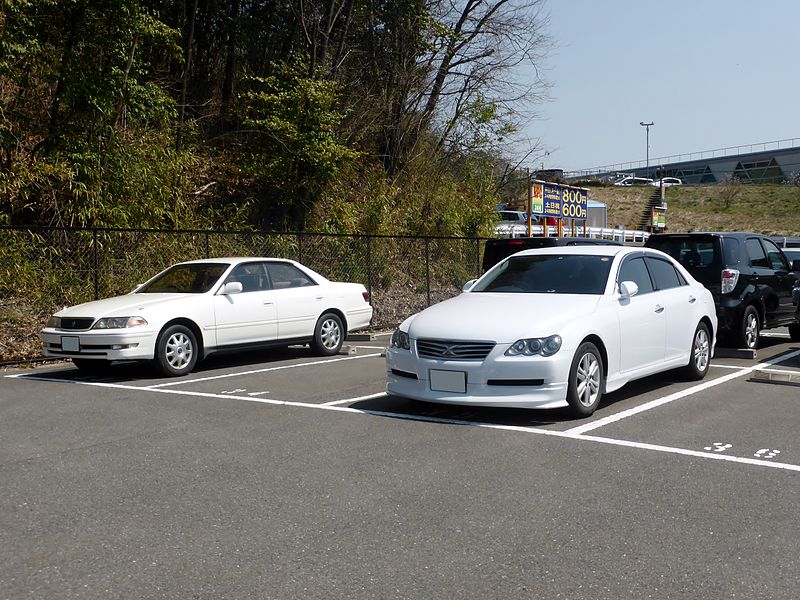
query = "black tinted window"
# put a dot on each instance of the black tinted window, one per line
(252, 276)
(756, 253)
(775, 257)
(635, 270)
(692, 252)
(284, 275)
(549, 274)
(195, 278)
(664, 274)
(732, 251)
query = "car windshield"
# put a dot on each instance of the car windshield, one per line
(193, 278)
(548, 274)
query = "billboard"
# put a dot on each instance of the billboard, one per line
(559, 201)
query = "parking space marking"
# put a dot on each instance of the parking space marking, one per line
(581, 429)
(430, 419)
(352, 400)
(267, 370)
(737, 368)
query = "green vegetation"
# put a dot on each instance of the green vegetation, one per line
(351, 116)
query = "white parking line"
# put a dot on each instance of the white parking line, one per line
(351, 400)
(267, 370)
(333, 407)
(581, 429)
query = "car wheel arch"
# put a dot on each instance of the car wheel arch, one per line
(198, 333)
(339, 314)
(595, 339)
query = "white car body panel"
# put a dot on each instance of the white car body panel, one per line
(638, 339)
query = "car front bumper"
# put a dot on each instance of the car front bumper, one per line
(498, 380)
(119, 344)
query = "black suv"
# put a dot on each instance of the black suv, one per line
(498, 249)
(750, 278)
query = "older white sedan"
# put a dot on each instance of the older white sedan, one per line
(556, 327)
(195, 308)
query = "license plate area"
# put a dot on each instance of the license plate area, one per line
(448, 381)
(70, 343)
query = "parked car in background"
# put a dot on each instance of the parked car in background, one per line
(516, 217)
(751, 279)
(553, 327)
(667, 182)
(625, 181)
(496, 250)
(192, 309)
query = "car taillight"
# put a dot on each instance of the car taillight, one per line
(365, 295)
(729, 279)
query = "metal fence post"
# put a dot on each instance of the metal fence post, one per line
(428, 270)
(369, 266)
(300, 248)
(96, 265)
(477, 257)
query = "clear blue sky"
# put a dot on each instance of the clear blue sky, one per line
(709, 73)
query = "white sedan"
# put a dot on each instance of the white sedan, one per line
(195, 308)
(556, 327)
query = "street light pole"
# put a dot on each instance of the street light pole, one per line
(647, 126)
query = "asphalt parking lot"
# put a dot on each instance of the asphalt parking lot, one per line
(280, 475)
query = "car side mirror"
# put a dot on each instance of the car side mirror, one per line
(232, 287)
(628, 289)
(468, 286)
(795, 266)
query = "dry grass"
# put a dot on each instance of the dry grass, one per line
(768, 209)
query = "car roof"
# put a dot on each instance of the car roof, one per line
(234, 259)
(716, 233)
(588, 250)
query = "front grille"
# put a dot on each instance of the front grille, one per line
(76, 323)
(450, 350)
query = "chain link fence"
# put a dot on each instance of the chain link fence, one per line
(45, 269)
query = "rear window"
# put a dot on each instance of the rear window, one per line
(692, 252)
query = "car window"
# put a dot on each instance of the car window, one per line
(252, 276)
(691, 252)
(664, 273)
(775, 257)
(634, 269)
(756, 253)
(284, 275)
(548, 274)
(732, 250)
(194, 278)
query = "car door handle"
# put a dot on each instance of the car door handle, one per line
(692, 299)
(320, 297)
(268, 303)
(659, 308)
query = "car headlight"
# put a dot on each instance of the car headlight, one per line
(119, 322)
(532, 346)
(54, 322)
(400, 339)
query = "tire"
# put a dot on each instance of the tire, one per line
(749, 328)
(176, 351)
(328, 335)
(88, 365)
(699, 354)
(585, 385)
(794, 332)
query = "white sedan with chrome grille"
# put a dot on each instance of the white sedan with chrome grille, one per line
(556, 327)
(195, 308)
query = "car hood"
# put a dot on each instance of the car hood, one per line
(503, 318)
(128, 305)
